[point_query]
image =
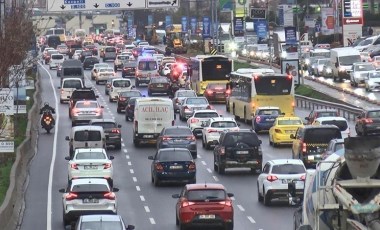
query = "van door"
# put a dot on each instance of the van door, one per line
(68, 87)
(152, 118)
(88, 139)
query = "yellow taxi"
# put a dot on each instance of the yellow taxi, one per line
(279, 133)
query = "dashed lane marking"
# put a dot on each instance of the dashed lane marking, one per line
(131, 171)
(215, 178)
(142, 198)
(125, 150)
(204, 162)
(209, 170)
(122, 144)
(251, 219)
(152, 220)
(129, 163)
(240, 207)
(126, 156)
(134, 179)
(199, 156)
(138, 188)
(232, 198)
(146, 209)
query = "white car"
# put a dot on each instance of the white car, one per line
(166, 69)
(272, 183)
(56, 60)
(87, 196)
(118, 63)
(215, 126)
(129, 47)
(359, 72)
(104, 74)
(130, 54)
(340, 122)
(159, 57)
(95, 69)
(118, 85)
(372, 81)
(200, 119)
(76, 54)
(179, 96)
(90, 162)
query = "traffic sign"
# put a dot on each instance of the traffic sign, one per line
(161, 3)
(317, 27)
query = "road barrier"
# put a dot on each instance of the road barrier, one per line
(12, 209)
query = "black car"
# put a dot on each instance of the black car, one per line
(173, 165)
(238, 149)
(111, 130)
(123, 98)
(89, 62)
(159, 85)
(84, 54)
(92, 48)
(130, 109)
(178, 137)
(128, 69)
(264, 118)
(368, 122)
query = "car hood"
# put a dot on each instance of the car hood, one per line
(374, 80)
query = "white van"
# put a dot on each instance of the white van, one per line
(68, 86)
(150, 117)
(55, 60)
(118, 85)
(341, 61)
(146, 67)
(340, 122)
(87, 136)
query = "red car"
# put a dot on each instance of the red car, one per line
(216, 92)
(204, 205)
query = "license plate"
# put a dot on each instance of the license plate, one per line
(176, 167)
(286, 181)
(207, 217)
(90, 167)
(160, 85)
(270, 119)
(90, 201)
(242, 152)
(148, 136)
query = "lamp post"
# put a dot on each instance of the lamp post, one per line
(270, 41)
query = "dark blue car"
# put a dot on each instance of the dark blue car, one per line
(264, 118)
(173, 165)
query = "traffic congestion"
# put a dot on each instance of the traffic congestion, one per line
(156, 142)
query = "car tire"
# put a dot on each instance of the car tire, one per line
(137, 83)
(118, 110)
(72, 123)
(156, 182)
(267, 198)
(221, 169)
(60, 101)
(110, 99)
(118, 146)
(149, 93)
(203, 143)
(182, 226)
(97, 82)
(136, 143)
(270, 142)
(176, 220)
(260, 198)
(229, 226)
(245, 118)
(66, 222)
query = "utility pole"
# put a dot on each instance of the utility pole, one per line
(80, 19)
(2, 18)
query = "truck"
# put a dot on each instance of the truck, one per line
(343, 192)
(151, 34)
(175, 39)
(283, 51)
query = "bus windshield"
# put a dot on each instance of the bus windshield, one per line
(216, 69)
(273, 85)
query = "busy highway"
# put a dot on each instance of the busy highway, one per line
(139, 202)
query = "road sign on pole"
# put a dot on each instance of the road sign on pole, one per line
(161, 3)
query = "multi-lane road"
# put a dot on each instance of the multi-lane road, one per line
(139, 202)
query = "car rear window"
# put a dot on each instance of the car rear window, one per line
(206, 194)
(196, 101)
(178, 131)
(91, 59)
(159, 80)
(86, 95)
(86, 135)
(273, 112)
(72, 71)
(147, 65)
(130, 94)
(327, 114)
(86, 104)
(206, 115)
(177, 155)
(290, 122)
(57, 57)
(90, 188)
(72, 84)
(339, 146)
(110, 49)
(105, 125)
(322, 135)
(341, 124)
(101, 225)
(186, 94)
(374, 114)
(121, 83)
(90, 155)
(288, 169)
(250, 139)
(124, 57)
(223, 124)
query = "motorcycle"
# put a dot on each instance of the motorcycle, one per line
(174, 87)
(47, 120)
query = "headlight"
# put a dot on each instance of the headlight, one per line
(371, 83)
(233, 54)
(252, 53)
(328, 70)
(233, 46)
(320, 68)
(283, 55)
(307, 61)
(244, 52)
(357, 74)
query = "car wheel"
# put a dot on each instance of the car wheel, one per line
(215, 166)
(203, 143)
(137, 83)
(267, 198)
(73, 123)
(182, 226)
(245, 118)
(156, 182)
(97, 82)
(229, 226)
(364, 132)
(118, 110)
(65, 221)
(136, 143)
(176, 220)
(221, 169)
(260, 198)
(60, 101)
(149, 93)
(118, 146)
(270, 141)
(110, 99)
(358, 132)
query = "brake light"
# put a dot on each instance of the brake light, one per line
(212, 131)
(107, 165)
(277, 130)
(272, 178)
(293, 104)
(98, 110)
(368, 120)
(192, 166)
(177, 101)
(303, 177)
(228, 91)
(71, 196)
(209, 92)
(173, 121)
(190, 138)
(194, 120)
(226, 203)
(258, 119)
(115, 131)
(290, 77)
(122, 99)
(108, 85)
(187, 203)
(62, 91)
(74, 166)
(159, 167)
(186, 109)
(304, 147)
(109, 195)
(222, 151)
(166, 138)
(75, 111)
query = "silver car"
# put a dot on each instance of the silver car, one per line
(191, 104)
(179, 96)
(359, 72)
(84, 111)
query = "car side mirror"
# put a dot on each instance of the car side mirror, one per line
(238, 125)
(67, 138)
(336, 64)
(95, 71)
(176, 196)
(59, 87)
(68, 97)
(144, 96)
(292, 136)
(230, 194)
(62, 190)
(102, 106)
(97, 96)
(111, 157)
(130, 227)
(307, 118)
(115, 189)
(220, 115)
(133, 87)
(170, 97)
(151, 158)
(68, 158)
(119, 126)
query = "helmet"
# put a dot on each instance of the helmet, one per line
(46, 104)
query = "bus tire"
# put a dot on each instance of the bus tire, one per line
(233, 112)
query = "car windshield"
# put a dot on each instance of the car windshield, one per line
(223, 124)
(290, 122)
(91, 59)
(374, 114)
(159, 80)
(87, 53)
(327, 114)
(57, 57)
(110, 49)
(124, 57)
(374, 75)
(90, 155)
(288, 169)
(341, 124)
(322, 135)
(323, 61)
(147, 65)
(366, 42)
(100, 65)
(61, 47)
(364, 68)
(349, 60)
(268, 112)
(90, 187)
(188, 93)
(121, 83)
(206, 195)
(106, 70)
(105, 125)
(87, 104)
(206, 115)
(178, 132)
(196, 101)
(177, 155)
(216, 86)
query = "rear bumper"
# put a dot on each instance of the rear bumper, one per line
(283, 194)
(375, 128)
(177, 176)
(195, 220)
(253, 164)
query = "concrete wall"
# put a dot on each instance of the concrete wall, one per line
(96, 19)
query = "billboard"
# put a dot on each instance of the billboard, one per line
(184, 23)
(193, 25)
(225, 5)
(206, 33)
(290, 35)
(238, 26)
(6, 121)
(285, 15)
(19, 105)
(352, 21)
(290, 67)
(261, 28)
(328, 21)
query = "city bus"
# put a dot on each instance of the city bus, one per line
(207, 69)
(57, 31)
(253, 89)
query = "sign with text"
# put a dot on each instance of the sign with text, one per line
(206, 33)
(352, 8)
(257, 13)
(238, 26)
(261, 28)
(168, 20)
(184, 23)
(161, 3)
(225, 5)
(6, 121)
(352, 21)
(328, 21)
(193, 25)
(290, 35)
(351, 33)
(290, 68)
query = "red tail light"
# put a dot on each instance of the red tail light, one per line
(166, 138)
(122, 98)
(109, 195)
(173, 121)
(194, 120)
(74, 166)
(258, 119)
(209, 92)
(368, 121)
(108, 85)
(115, 131)
(187, 203)
(222, 151)
(303, 177)
(75, 110)
(98, 110)
(226, 203)
(71, 196)
(192, 166)
(159, 167)
(277, 130)
(304, 147)
(190, 138)
(209, 107)
(228, 91)
(271, 178)
(186, 109)
(293, 104)
(107, 165)
(212, 130)
(177, 101)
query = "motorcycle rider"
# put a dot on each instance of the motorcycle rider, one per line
(47, 108)
(47, 111)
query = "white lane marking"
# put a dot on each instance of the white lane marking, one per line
(215, 178)
(126, 156)
(126, 150)
(138, 188)
(240, 207)
(129, 163)
(152, 220)
(146, 209)
(134, 179)
(131, 171)
(52, 163)
(199, 156)
(142, 198)
(204, 162)
(121, 139)
(122, 144)
(209, 170)
(251, 219)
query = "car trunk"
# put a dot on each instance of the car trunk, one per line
(177, 141)
(242, 153)
(175, 166)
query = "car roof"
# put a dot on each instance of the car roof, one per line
(100, 217)
(331, 118)
(325, 110)
(81, 150)
(222, 119)
(205, 111)
(267, 107)
(87, 127)
(288, 118)
(177, 127)
(204, 186)
(86, 101)
(88, 180)
(119, 78)
(172, 149)
(286, 161)
(103, 120)
(320, 126)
